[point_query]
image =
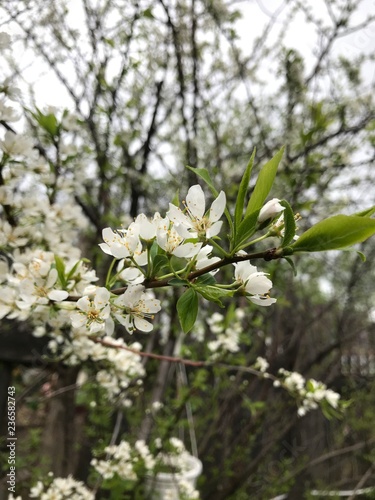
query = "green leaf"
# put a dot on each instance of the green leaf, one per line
(48, 122)
(247, 228)
(334, 233)
(206, 279)
(176, 199)
(264, 184)
(118, 140)
(60, 267)
(362, 256)
(159, 262)
(177, 263)
(366, 213)
(291, 263)
(290, 224)
(73, 270)
(203, 174)
(153, 250)
(244, 185)
(187, 309)
(148, 13)
(178, 282)
(110, 42)
(213, 294)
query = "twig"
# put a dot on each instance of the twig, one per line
(267, 255)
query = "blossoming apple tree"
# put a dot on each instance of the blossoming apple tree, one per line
(199, 251)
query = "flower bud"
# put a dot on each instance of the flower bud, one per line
(269, 210)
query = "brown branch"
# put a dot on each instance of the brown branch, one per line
(184, 361)
(160, 357)
(181, 82)
(135, 189)
(267, 255)
(362, 481)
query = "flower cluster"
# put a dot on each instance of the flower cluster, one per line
(227, 335)
(310, 392)
(117, 363)
(61, 488)
(137, 462)
(125, 461)
(170, 232)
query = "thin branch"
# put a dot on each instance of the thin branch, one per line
(267, 255)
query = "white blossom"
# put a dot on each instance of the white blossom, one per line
(124, 244)
(173, 243)
(40, 290)
(62, 488)
(94, 313)
(270, 210)
(203, 259)
(261, 364)
(9, 89)
(17, 144)
(133, 306)
(256, 283)
(197, 222)
(130, 275)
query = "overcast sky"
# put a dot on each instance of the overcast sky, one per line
(256, 13)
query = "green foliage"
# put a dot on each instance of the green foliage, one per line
(47, 122)
(60, 267)
(187, 309)
(289, 224)
(264, 183)
(242, 191)
(263, 186)
(213, 293)
(339, 231)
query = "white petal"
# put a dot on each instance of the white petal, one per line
(147, 230)
(142, 324)
(175, 215)
(106, 249)
(84, 304)
(141, 258)
(105, 312)
(187, 250)
(207, 261)
(119, 251)
(132, 275)
(58, 295)
(242, 270)
(270, 210)
(123, 320)
(102, 296)
(128, 323)
(218, 207)
(109, 236)
(96, 327)
(182, 230)
(195, 201)
(78, 320)
(214, 230)
(132, 295)
(52, 278)
(258, 283)
(152, 306)
(262, 301)
(162, 238)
